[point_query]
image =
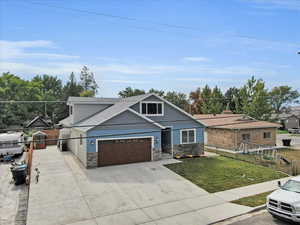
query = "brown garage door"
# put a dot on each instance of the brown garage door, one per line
(121, 151)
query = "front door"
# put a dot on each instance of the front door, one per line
(166, 140)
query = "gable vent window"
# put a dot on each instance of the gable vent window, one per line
(152, 108)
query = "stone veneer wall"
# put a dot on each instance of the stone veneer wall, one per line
(189, 149)
(156, 154)
(92, 159)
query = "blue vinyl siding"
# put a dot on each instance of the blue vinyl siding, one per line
(156, 133)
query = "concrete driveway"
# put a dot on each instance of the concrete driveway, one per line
(13, 199)
(141, 193)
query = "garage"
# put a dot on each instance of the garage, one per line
(122, 151)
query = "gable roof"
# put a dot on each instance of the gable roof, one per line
(91, 100)
(121, 106)
(37, 118)
(233, 121)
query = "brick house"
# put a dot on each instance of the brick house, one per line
(229, 131)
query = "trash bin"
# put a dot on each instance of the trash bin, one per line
(19, 174)
(286, 142)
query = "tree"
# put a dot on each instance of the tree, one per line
(12, 88)
(50, 90)
(281, 96)
(216, 101)
(87, 81)
(178, 99)
(158, 92)
(196, 101)
(72, 88)
(128, 92)
(255, 99)
(206, 96)
(233, 99)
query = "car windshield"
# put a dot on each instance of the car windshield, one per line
(291, 185)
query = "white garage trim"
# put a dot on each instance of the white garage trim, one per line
(124, 138)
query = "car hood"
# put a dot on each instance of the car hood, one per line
(285, 196)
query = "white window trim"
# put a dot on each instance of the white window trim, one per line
(157, 102)
(195, 135)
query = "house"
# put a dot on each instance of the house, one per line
(126, 130)
(38, 122)
(289, 120)
(229, 131)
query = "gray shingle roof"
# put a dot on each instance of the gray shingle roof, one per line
(93, 99)
(117, 108)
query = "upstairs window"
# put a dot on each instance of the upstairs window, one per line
(152, 108)
(188, 136)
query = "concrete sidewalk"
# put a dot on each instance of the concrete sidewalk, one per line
(254, 189)
(142, 193)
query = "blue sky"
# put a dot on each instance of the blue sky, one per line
(218, 42)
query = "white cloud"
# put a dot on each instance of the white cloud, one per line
(253, 44)
(58, 68)
(126, 81)
(196, 59)
(18, 50)
(276, 4)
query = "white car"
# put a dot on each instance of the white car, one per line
(285, 202)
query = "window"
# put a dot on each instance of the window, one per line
(80, 139)
(188, 136)
(70, 110)
(246, 137)
(152, 108)
(267, 135)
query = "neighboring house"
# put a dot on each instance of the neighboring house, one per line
(229, 131)
(38, 122)
(289, 120)
(133, 129)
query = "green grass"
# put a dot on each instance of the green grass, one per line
(221, 173)
(282, 131)
(254, 200)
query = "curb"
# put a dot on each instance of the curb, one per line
(255, 209)
(258, 208)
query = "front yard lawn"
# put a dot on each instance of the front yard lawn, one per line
(221, 173)
(254, 200)
(282, 131)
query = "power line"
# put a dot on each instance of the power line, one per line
(126, 18)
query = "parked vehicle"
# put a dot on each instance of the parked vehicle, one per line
(19, 172)
(285, 202)
(294, 131)
(11, 143)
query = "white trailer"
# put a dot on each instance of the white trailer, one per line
(11, 143)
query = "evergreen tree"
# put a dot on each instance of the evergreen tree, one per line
(88, 82)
